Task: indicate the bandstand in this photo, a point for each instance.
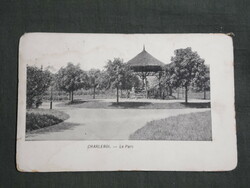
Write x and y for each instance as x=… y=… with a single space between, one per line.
x=144 y=64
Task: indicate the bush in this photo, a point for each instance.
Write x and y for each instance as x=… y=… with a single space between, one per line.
x=36 y=121
x=38 y=81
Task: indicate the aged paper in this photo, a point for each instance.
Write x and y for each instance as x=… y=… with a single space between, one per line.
x=111 y=102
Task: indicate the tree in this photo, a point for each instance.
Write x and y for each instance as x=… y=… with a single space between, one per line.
x=201 y=81
x=103 y=80
x=72 y=78
x=115 y=71
x=129 y=79
x=186 y=65
x=94 y=79
x=168 y=79
x=38 y=81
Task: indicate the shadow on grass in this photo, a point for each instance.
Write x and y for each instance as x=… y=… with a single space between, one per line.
x=76 y=102
x=130 y=104
x=133 y=105
x=197 y=105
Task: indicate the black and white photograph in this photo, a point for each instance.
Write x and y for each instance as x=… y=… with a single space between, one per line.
x=169 y=97
x=117 y=88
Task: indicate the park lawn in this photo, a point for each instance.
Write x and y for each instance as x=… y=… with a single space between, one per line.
x=41 y=118
x=187 y=127
x=133 y=105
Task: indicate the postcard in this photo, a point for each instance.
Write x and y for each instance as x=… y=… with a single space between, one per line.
x=123 y=102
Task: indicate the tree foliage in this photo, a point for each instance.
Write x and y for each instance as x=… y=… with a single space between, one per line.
x=168 y=79
x=129 y=78
x=120 y=76
x=94 y=75
x=38 y=81
x=72 y=78
x=201 y=81
x=103 y=80
x=187 y=67
x=186 y=70
x=95 y=79
x=115 y=70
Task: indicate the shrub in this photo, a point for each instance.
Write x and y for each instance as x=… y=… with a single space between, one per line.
x=38 y=81
x=36 y=121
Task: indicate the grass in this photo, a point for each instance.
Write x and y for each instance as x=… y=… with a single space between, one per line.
x=130 y=105
x=40 y=118
x=134 y=104
x=187 y=127
x=77 y=101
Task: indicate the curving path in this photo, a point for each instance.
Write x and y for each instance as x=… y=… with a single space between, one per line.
x=103 y=124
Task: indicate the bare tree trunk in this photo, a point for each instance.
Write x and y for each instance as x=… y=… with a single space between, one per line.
x=160 y=90
x=178 y=93
x=167 y=92
x=204 y=93
x=146 y=87
x=72 y=96
x=160 y=86
x=170 y=91
x=94 y=94
x=186 y=94
x=117 y=95
x=51 y=98
x=69 y=95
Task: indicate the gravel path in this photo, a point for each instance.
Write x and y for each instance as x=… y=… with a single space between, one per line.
x=103 y=124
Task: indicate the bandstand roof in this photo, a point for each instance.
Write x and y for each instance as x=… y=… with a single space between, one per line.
x=145 y=62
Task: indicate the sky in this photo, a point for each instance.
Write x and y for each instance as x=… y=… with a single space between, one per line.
x=94 y=50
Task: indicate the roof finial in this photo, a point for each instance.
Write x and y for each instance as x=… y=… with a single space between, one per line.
x=143 y=47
